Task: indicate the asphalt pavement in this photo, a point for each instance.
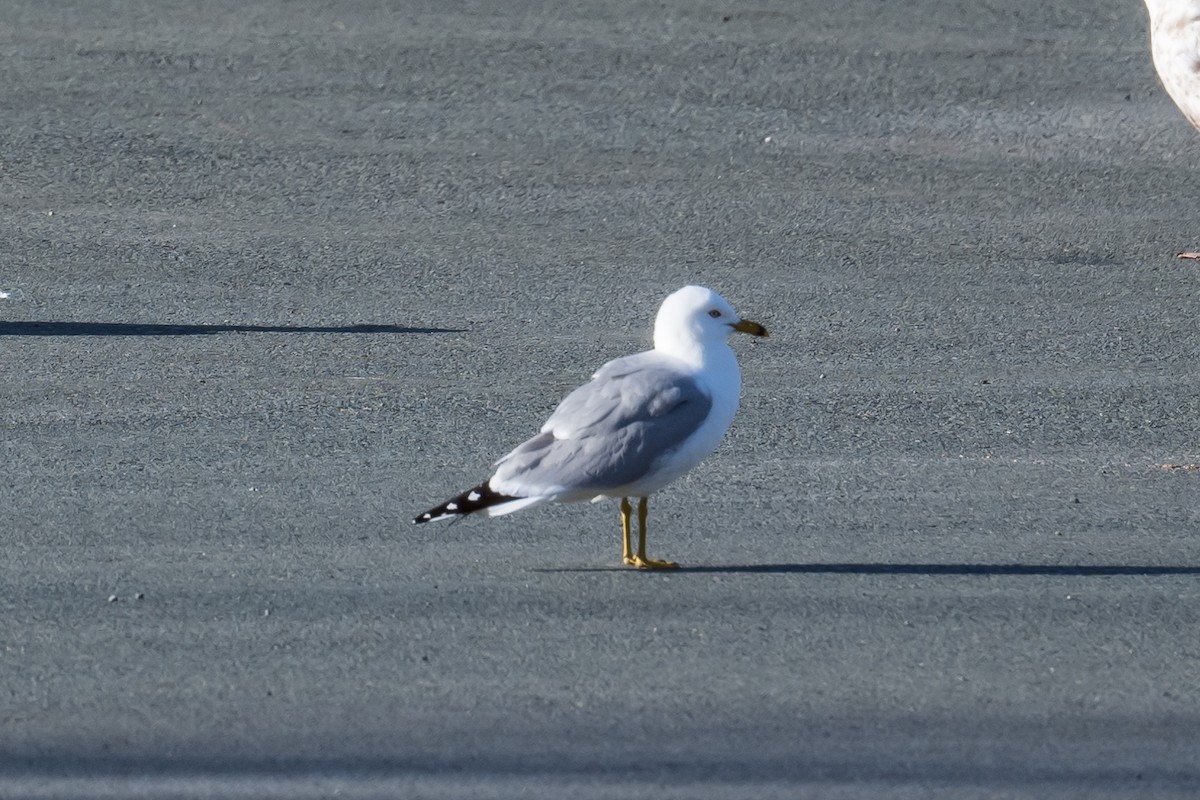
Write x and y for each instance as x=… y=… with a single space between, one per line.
x=280 y=276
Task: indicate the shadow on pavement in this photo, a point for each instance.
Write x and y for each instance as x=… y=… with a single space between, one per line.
x=149 y=329
x=1083 y=570
x=1079 y=570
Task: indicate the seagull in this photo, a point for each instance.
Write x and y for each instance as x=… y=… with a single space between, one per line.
x=1175 y=45
x=641 y=422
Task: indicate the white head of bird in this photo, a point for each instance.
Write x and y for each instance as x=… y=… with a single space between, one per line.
x=694 y=324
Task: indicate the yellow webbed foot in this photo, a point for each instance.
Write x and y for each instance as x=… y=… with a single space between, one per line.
x=649 y=563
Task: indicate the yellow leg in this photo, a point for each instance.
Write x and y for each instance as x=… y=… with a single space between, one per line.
x=626 y=525
x=640 y=560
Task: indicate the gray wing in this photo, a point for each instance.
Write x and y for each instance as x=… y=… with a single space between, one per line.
x=607 y=433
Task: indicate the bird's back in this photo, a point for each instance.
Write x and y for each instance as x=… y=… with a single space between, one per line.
x=608 y=434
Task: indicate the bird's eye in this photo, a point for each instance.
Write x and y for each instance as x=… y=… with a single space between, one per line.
x=714 y=313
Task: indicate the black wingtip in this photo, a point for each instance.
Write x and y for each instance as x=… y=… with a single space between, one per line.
x=470 y=501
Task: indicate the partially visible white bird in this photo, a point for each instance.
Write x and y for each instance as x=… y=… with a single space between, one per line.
x=1175 y=45
x=642 y=421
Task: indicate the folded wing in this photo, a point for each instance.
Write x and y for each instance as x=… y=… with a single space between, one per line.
x=607 y=433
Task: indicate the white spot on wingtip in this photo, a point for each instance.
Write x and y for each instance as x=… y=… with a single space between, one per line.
x=452 y=506
x=473 y=496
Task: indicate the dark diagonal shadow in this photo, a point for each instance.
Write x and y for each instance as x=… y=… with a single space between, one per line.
x=1079 y=570
x=1076 y=570
x=151 y=329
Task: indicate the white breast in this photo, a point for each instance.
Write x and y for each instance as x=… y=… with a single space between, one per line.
x=1175 y=44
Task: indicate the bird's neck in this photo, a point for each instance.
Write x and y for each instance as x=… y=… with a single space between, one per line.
x=698 y=355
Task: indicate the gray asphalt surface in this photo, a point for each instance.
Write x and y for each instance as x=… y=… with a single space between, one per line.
x=287 y=275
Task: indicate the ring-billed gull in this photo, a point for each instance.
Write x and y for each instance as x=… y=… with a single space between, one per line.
x=642 y=421
x=1175 y=45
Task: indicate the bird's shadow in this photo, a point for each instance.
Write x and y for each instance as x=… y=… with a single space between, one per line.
x=64 y=328
x=1072 y=570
